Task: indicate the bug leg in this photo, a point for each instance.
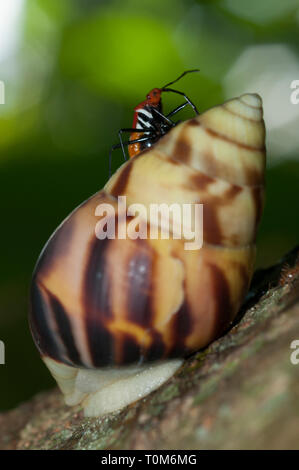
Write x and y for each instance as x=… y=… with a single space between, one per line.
x=114 y=147
x=186 y=98
x=165 y=118
x=176 y=110
x=121 y=145
x=118 y=146
x=121 y=131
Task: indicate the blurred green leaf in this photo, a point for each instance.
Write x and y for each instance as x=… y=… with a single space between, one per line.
x=261 y=11
x=117 y=53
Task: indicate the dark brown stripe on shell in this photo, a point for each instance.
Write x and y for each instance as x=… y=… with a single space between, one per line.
x=140 y=273
x=156 y=350
x=130 y=350
x=96 y=280
x=171 y=160
x=96 y=303
x=182 y=150
x=250 y=105
x=120 y=185
x=64 y=330
x=215 y=167
x=195 y=122
x=211 y=227
x=253 y=177
x=221 y=294
x=200 y=181
x=232 y=192
x=212 y=232
x=43 y=334
x=258 y=197
x=100 y=342
x=181 y=327
x=234 y=113
x=222 y=170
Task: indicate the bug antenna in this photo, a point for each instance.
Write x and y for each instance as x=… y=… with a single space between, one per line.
x=181 y=76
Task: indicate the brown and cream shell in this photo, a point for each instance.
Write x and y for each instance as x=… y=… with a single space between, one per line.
x=116 y=302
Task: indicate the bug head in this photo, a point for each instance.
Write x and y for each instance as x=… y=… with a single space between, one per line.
x=154 y=96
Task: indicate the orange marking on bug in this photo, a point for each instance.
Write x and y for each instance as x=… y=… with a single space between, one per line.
x=152 y=99
x=134 y=149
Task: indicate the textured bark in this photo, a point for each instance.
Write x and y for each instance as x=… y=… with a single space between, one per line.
x=241 y=392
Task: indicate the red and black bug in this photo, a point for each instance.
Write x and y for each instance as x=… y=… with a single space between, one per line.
x=149 y=123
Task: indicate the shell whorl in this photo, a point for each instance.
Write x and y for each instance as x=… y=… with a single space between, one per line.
x=217 y=159
x=111 y=302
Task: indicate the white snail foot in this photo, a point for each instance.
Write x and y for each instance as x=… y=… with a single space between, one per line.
x=106 y=390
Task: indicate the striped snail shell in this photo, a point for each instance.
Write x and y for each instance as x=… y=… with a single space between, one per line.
x=113 y=318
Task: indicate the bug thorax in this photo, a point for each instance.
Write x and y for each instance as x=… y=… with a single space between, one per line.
x=150 y=117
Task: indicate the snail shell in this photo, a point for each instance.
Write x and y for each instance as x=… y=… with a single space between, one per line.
x=127 y=310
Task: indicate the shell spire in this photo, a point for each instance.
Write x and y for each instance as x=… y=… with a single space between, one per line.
x=227 y=141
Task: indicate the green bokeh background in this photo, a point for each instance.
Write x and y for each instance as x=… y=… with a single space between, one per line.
x=78 y=71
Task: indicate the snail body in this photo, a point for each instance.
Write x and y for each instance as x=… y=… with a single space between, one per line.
x=113 y=318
